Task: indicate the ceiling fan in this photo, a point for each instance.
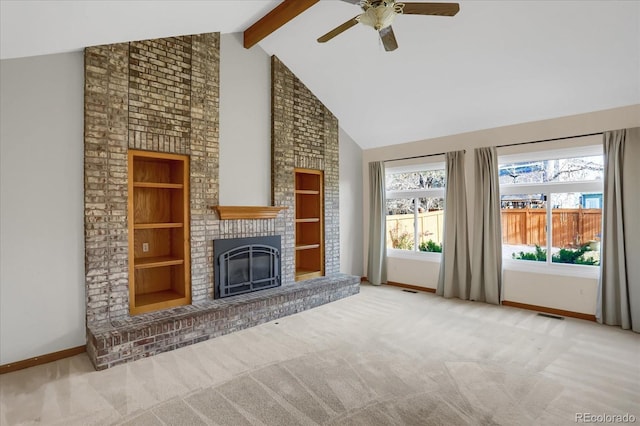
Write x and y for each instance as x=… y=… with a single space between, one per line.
x=379 y=14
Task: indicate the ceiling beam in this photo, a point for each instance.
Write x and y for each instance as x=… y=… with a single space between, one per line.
x=280 y=15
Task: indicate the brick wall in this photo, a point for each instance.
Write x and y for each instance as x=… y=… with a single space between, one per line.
x=160 y=94
x=205 y=132
x=156 y=95
x=105 y=181
x=304 y=134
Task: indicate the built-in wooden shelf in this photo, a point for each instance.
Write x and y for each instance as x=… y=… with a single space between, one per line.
x=248 y=212
x=307 y=246
x=309 y=222
x=159 y=185
x=159 y=250
x=161 y=225
x=154 y=262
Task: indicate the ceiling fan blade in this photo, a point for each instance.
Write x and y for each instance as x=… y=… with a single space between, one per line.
x=388 y=39
x=440 y=9
x=339 y=29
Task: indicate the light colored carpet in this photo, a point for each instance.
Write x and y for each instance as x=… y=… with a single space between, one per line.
x=382 y=357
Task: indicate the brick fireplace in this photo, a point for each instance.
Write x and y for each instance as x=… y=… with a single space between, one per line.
x=163 y=95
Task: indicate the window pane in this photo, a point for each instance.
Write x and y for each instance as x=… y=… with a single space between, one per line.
x=562 y=170
x=400 y=223
x=575 y=169
x=524 y=220
x=577 y=227
x=523 y=172
x=430 y=224
x=415 y=180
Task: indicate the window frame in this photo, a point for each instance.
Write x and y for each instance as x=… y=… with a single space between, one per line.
x=415 y=167
x=546 y=189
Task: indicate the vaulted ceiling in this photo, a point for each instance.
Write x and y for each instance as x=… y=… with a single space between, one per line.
x=495 y=63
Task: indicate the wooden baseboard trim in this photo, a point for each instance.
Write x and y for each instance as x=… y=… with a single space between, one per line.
x=411 y=287
x=42 y=359
x=553 y=311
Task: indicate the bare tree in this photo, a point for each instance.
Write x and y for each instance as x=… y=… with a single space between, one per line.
x=414 y=180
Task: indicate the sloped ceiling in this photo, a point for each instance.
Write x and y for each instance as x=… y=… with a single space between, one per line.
x=496 y=63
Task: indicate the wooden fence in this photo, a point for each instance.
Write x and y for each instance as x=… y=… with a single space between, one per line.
x=571 y=227
x=430 y=225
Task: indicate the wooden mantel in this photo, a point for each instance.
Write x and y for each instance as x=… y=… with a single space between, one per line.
x=248 y=212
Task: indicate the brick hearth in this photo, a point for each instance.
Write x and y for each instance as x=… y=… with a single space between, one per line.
x=149 y=334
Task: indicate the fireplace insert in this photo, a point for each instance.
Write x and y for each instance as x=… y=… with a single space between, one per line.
x=243 y=265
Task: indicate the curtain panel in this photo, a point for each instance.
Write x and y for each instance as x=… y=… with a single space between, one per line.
x=619 y=287
x=454 y=279
x=486 y=267
x=377 y=260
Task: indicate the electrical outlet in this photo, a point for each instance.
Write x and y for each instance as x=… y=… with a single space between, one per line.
x=145 y=247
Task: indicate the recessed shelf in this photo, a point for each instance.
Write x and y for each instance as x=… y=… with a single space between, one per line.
x=161 y=225
x=154 y=262
x=160 y=185
x=158 y=222
x=309 y=241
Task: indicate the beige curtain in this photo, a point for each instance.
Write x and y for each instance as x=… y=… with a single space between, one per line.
x=454 y=279
x=486 y=267
x=377 y=260
x=619 y=287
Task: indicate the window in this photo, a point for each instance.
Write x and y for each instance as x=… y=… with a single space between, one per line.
x=552 y=207
x=415 y=203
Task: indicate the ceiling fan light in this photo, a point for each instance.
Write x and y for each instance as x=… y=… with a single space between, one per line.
x=380 y=16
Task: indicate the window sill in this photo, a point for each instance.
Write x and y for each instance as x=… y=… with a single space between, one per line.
x=581 y=271
x=414 y=255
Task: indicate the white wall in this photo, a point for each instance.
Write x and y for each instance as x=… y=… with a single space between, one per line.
x=350 y=205
x=42 y=296
x=574 y=293
x=569 y=293
x=410 y=270
x=245 y=124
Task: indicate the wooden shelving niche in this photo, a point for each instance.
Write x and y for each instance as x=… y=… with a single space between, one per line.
x=309 y=223
x=159 y=250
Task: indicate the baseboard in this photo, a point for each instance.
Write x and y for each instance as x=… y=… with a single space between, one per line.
x=42 y=359
x=546 y=310
x=411 y=287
